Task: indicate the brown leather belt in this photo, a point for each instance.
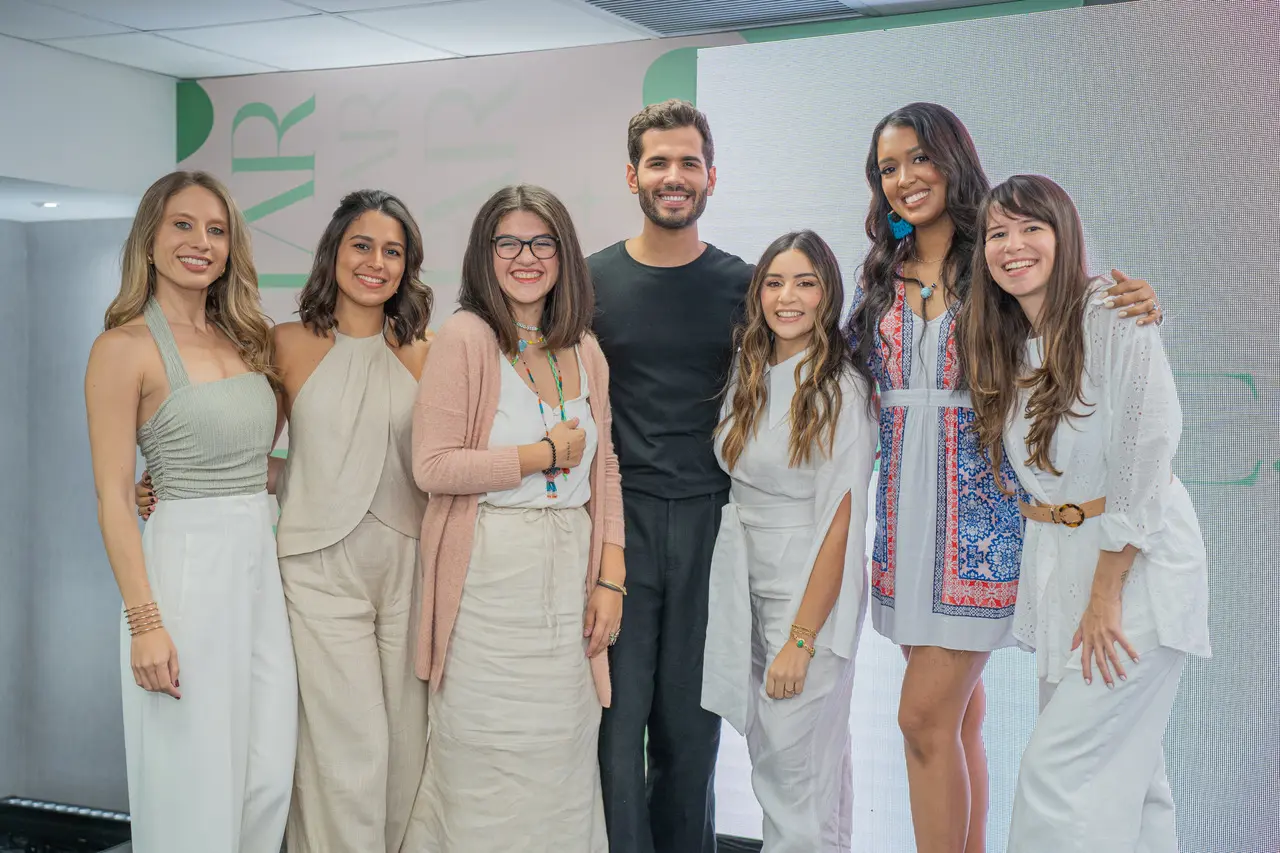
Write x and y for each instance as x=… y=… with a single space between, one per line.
x=1071 y=515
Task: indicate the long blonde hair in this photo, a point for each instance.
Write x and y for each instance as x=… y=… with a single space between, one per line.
x=816 y=405
x=233 y=304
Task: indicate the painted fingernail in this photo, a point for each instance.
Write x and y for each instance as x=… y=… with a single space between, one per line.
x=1124 y=678
x=1123 y=313
x=1110 y=302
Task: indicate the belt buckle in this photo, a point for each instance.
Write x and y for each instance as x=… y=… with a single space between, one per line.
x=1056 y=513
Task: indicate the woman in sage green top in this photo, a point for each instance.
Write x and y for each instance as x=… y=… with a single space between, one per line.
x=349 y=523
x=184 y=371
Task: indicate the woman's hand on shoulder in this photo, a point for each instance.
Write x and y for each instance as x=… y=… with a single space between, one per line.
x=1134 y=297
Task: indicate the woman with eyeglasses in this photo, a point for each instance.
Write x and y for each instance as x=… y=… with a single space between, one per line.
x=521 y=544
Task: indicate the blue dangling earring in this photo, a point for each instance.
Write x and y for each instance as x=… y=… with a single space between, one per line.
x=900 y=226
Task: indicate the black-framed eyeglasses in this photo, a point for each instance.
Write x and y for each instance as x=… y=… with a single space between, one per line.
x=544 y=246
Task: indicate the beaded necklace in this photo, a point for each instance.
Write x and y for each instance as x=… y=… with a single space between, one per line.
x=550 y=473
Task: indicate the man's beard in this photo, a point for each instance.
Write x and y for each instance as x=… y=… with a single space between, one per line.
x=672 y=219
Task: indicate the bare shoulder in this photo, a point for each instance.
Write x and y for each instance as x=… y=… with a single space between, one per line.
x=413 y=354
x=127 y=343
x=291 y=334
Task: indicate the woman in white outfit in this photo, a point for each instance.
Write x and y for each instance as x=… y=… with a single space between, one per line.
x=1114 y=591
x=184 y=371
x=788 y=579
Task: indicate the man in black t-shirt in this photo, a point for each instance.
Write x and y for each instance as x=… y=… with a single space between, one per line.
x=666 y=307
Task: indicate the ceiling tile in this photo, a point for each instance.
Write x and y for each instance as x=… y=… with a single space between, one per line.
x=362 y=5
x=305 y=43
x=903 y=7
x=153 y=53
x=171 y=15
x=24 y=20
x=719 y=15
x=479 y=27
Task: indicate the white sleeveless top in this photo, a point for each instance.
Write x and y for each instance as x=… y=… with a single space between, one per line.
x=519 y=422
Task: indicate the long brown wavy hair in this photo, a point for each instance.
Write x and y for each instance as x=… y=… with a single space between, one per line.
x=996 y=329
x=816 y=405
x=232 y=305
x=408 y=311
x=946 y=141
x=570 y=305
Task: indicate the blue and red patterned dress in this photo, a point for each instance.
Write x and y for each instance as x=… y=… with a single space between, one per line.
x=944 y=567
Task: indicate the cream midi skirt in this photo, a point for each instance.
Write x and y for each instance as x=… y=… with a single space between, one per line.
x=512 y=758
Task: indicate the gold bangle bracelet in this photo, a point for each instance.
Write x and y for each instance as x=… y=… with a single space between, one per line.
x=613 y=586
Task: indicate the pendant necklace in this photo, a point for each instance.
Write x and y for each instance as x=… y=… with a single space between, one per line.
x=926 y=290
x=550 y=473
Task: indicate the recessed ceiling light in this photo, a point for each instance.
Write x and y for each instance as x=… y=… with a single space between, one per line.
x=45 y=203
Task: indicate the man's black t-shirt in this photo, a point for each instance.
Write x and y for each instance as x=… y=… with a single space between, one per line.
x=668 y=335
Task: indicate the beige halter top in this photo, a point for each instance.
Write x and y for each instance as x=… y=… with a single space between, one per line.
x=350 y=449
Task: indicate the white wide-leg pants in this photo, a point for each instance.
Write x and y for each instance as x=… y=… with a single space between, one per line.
x=1093 y=778
x=212 y=772
x=801 y=761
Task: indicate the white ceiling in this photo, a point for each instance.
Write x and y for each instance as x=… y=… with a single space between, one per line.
x=20 y=202
x=220 y=38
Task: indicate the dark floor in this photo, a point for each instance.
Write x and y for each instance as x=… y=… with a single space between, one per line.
x=44 y=828
x=27 y=827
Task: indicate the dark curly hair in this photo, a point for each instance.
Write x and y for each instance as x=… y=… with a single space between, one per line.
x=947 y=143
x=408 y=310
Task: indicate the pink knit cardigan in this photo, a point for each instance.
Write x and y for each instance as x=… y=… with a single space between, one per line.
x=453 y=463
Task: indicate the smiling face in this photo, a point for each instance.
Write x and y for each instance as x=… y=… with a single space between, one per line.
x=790 y=297
x=672 y=178
x=525 y=279
x=915 y=188
x=192 y=241
x=1020 y=252
x=370 y=262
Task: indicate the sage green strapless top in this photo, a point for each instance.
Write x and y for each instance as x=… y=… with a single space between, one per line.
x=210 y=439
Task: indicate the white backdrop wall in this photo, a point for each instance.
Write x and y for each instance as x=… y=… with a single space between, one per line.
x=82 y=122
x=1160 y=118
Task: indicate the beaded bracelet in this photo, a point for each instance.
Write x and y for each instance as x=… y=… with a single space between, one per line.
x=552 y=445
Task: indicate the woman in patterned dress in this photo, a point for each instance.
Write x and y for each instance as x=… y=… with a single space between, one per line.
x=944 y=567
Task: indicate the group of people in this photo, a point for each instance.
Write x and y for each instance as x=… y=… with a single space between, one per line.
x=524 y=567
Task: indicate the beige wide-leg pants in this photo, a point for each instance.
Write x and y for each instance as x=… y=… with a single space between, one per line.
x=210 y=772
x=362 y=722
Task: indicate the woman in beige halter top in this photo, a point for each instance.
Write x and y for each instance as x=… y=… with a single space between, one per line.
x=184 y=371
x=350 y=516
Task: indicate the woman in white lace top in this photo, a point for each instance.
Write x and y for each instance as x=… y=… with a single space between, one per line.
x=1114 y=591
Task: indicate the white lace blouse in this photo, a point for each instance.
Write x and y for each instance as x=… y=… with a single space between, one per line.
x=1124 y=451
